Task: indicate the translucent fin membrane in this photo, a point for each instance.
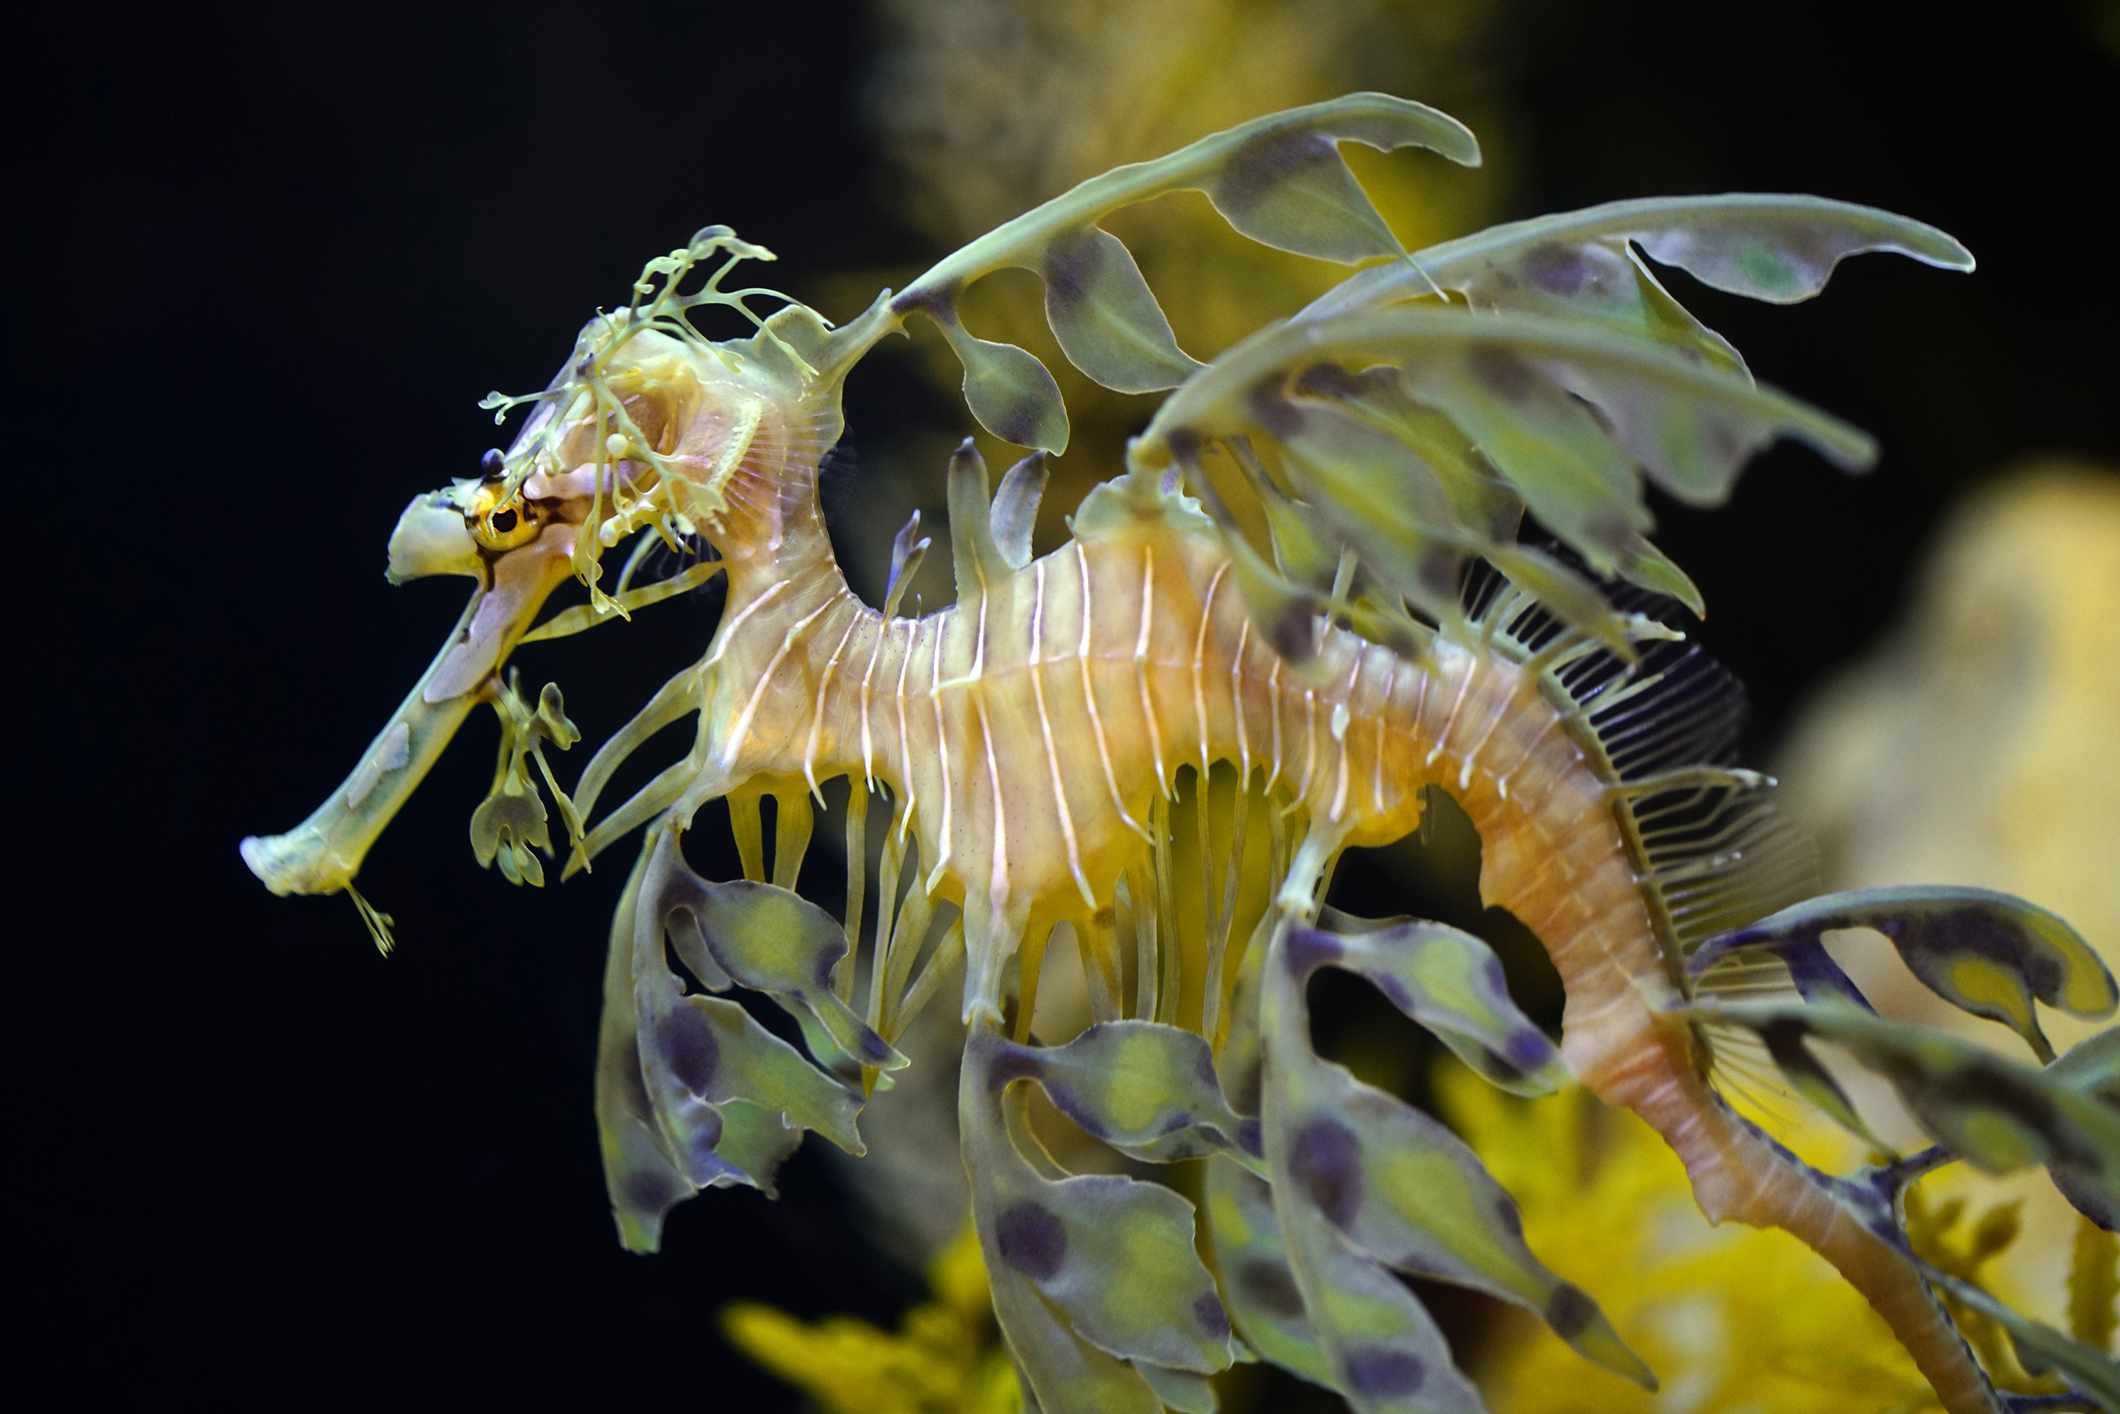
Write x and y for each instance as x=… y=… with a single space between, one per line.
x=1715 y=853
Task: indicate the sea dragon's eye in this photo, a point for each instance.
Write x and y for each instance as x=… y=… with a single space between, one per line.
x=500 y=527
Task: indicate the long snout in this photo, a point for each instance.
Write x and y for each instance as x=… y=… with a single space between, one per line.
x=323 y=853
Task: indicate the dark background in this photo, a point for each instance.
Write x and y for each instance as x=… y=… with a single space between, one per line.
x=272 y=260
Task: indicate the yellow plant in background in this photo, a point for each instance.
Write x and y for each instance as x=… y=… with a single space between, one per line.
x=943 y=1358
x=1730 y=1318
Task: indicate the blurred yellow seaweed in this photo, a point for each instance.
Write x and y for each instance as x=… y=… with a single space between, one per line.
x=944 y=1357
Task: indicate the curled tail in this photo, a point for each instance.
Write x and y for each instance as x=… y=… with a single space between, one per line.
x=1691 y=866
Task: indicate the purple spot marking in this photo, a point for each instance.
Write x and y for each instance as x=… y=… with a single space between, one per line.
x=688 y=1047
x=648 y=1191
x=1326 y=1160
x=1309 y=949
x=1031 y=1240
x=1012 y=1063
x=1556 y=269
x=1570 y=1311
x=1528 y=1050
x=1379 y=1371
x=1204 y=1066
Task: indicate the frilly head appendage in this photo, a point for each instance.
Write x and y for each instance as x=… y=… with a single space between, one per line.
x=656 y=424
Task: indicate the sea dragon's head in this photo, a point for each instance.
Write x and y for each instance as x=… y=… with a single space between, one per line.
x=647 y=426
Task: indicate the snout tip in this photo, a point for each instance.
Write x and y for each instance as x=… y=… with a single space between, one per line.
x=298 y=862
x=430 y=539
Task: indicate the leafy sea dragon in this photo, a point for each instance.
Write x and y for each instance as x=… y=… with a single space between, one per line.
x=1255 y=651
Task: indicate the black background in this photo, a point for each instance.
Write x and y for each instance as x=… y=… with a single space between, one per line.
x=271 y=261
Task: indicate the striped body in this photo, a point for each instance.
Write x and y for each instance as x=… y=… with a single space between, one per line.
x=1024 y=733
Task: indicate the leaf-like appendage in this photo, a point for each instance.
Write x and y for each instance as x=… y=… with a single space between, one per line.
x=2092 y=1066
x=1452 y=984
x=1549 y=447
x=775 y=941
x=1258 y=1288
x=508 y=824
x=1147 y=1090
x=1817 y=977
x=2041 y=1348
x=691 y=1092
x=755 y=1141
x=1385 y=1351
x=1517 y=403
x=1066 y=1373
x=1299 y=550
x=1011 y=393
x=641 y=1178
x=1290 y=599
x=1995 y=1113
x=1278 y=179
x=1257 y=159
x=1782 y=249
x=709 y=1049
x=1291 y=190
x=1779 y=248
x=697 y=1053
x=1181 y=1390
x=1510 y=384
x=1654 y=571
x=1106 y=318
x=1093 y=1276
x=1361 y=1179
x=1123 y=1270
x=1987 y=953
x=1337 y=464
